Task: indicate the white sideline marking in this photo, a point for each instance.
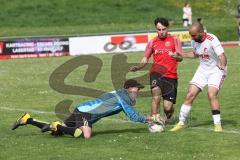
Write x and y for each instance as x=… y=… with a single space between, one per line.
x=111 y=119
x=53 y=113
x=26 y=110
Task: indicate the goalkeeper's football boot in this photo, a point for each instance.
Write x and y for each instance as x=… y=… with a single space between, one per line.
x=21 y=121
x=51 y=127
x=177 y=127
x=218 y=128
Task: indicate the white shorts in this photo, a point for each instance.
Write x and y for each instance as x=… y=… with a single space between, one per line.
x=214 y=78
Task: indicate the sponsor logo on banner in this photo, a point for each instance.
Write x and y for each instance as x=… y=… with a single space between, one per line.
x=125 y=42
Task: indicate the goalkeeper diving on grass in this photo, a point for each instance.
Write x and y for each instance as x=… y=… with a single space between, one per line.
x=86 y=114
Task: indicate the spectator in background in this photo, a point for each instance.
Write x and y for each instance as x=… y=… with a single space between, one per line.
x=239 y=31
x=238 y=20
x=238 y=12
x=187 y=15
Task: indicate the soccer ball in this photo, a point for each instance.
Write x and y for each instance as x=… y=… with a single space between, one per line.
x=155 y=127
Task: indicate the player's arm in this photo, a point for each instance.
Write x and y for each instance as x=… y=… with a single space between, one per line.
x=136 y=117
x=140 y=65
x=223 y=61
x=133 y=115
x=176 y=55
x=220 y=53
x=144 y=61
x=190 y=54
x=178 y=50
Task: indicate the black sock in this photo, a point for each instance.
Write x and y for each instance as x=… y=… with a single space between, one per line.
x=67 y=130
x=215 y=112
x=36 y=123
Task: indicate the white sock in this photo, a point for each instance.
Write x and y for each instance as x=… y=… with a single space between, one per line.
x=184 y=111
x=216 y=119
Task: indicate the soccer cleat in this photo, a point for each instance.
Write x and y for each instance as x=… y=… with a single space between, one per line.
x=218 y=128
x=21 y=121
x=177 y=127
x=51 y=127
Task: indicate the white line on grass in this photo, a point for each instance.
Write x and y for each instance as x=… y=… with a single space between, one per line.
x=109 y=119
x=53 y=113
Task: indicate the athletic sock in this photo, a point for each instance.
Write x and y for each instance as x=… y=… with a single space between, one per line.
x=36 y=123
x=216 y=116
x=75 y=132
x=184 y=111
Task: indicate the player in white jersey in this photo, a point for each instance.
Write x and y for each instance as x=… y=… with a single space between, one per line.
x=211 y=72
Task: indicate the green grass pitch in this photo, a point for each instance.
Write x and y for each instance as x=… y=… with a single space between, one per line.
x=25 y=87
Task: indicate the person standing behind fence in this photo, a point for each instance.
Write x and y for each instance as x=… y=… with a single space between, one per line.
x=187 y=15
x=238 y=31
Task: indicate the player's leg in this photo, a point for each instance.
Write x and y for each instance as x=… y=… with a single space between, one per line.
x=168 y=110
x=87 y=131
x=76 y=124
x=214 y=84
x=76 y=132
x=27 y=119
x=156 y=98
x=213 y=100
x=186 y=106
x=73 y=131
x=198 y=82
x=156 y=92
x=192 y=93
x=169 y=91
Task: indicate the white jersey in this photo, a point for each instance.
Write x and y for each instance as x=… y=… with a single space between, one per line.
x=208 y=51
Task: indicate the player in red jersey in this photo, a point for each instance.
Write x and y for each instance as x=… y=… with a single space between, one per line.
x=166 y=52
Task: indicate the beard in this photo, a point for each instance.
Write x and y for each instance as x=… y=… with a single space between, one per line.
x=162 y=36
x=133 y=97
x=198 y=39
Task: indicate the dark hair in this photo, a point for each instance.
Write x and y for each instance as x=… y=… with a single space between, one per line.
x=161 y=20
x=199 y=20
x=132 y=83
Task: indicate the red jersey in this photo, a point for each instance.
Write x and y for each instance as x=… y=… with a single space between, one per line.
x=162 y=62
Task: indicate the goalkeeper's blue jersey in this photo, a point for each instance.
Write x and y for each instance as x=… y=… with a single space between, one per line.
x=109 y=104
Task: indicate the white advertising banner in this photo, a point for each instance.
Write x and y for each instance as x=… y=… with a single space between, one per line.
x=107 y=44
x=118 y=43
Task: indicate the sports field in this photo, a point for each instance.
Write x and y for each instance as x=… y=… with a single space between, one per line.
x=25 y=87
